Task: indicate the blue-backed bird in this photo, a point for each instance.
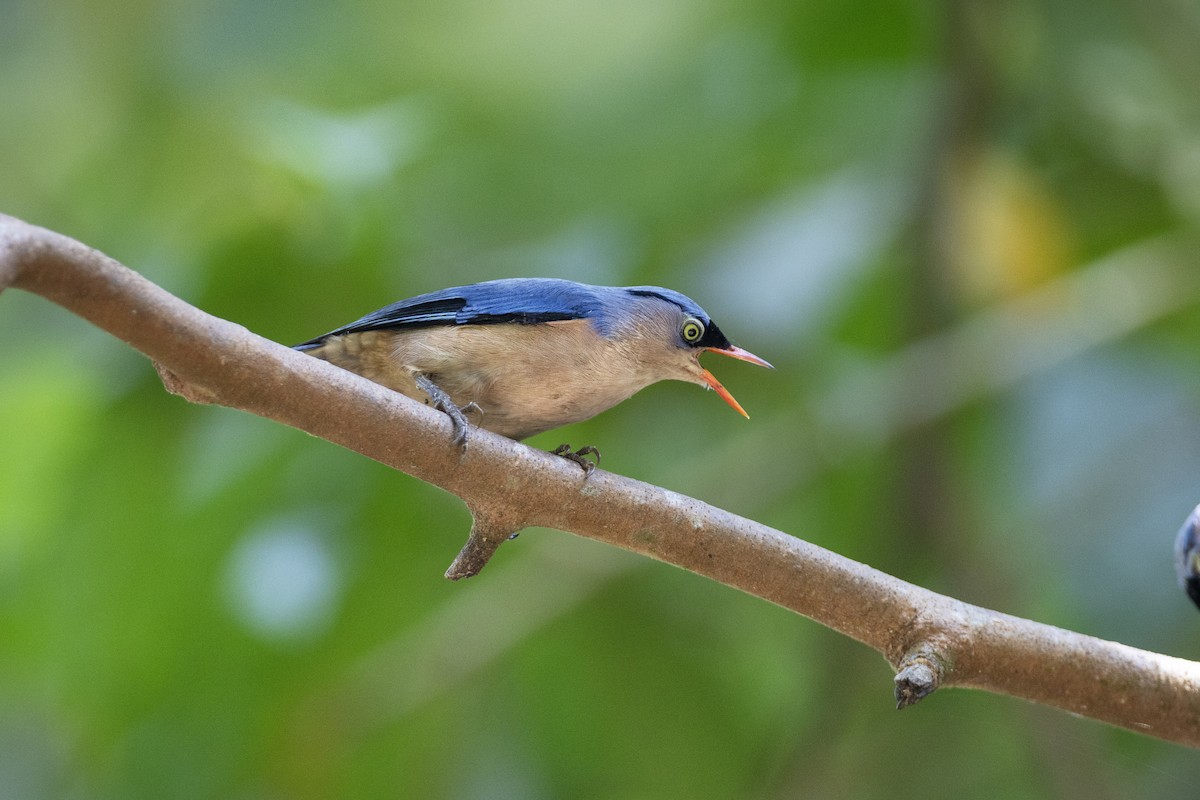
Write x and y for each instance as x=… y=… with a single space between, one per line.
x=530 y=354
x=1187 y=556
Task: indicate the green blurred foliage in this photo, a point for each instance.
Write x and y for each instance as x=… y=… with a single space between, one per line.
x=939 y=221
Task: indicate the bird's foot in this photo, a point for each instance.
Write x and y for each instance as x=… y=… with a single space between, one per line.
x=443 y=403
x=577 y=456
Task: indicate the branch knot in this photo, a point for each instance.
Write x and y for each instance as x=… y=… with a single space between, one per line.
x=919 y=674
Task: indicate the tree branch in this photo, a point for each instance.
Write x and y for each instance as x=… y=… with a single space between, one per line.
x=932 y=640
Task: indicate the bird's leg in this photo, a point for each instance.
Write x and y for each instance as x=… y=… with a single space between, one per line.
x=443 y=403
x=577 y=456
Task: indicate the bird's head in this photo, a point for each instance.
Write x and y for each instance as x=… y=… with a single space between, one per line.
x=679 y=330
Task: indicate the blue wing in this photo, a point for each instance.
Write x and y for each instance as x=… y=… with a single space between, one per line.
x=525 y=301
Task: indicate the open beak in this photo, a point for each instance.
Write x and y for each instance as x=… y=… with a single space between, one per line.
x=715 y=385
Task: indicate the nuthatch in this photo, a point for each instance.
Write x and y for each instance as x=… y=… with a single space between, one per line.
x=530 y=354
x=1187 y=556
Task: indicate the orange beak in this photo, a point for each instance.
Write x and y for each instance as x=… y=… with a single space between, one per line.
x=715 y=385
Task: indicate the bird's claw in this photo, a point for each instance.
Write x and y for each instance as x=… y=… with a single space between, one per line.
x=459 y=419
x=443 y=403
x=577 y=456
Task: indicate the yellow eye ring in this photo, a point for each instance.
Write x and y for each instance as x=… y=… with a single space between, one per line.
x=692 y=330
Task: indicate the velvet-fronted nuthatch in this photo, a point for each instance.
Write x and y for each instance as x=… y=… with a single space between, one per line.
x=1187 y=556
x=530 y=354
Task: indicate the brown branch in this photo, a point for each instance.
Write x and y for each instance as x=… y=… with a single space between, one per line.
x=931 y=639
x=487 y=534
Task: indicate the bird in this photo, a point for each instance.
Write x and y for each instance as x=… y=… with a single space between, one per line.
x=1187 y=556
x=528 y=355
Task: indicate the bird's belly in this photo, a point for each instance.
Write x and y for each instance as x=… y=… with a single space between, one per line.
x=524 y=402
x=525 y=379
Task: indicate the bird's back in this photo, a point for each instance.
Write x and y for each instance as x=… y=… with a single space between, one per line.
x=510 y=300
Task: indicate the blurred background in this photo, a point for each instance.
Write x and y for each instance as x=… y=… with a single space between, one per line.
x=964 y=233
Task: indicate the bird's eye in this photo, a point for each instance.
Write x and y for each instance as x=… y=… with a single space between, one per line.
x=691 y=330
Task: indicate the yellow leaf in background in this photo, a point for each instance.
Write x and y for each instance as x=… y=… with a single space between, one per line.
x=1006 y=232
